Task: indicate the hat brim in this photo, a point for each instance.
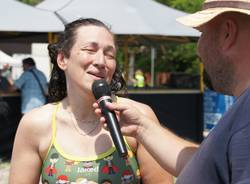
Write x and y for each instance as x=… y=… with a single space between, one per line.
x=201 y=17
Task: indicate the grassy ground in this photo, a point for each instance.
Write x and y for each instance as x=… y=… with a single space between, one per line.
x=4 y=172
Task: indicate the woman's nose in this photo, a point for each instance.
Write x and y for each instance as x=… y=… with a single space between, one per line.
x=100 y=59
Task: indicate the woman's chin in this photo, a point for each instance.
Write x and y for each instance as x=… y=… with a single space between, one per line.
x=97 y=77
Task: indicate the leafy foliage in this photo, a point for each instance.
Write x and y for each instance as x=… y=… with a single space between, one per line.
x=189 y=6
x=179 y=57
x=31 y=2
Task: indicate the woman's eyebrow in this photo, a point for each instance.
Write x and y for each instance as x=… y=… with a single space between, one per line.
x=110 y=48
x=93 y=44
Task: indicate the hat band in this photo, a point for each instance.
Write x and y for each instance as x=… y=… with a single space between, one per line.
x=227 y=4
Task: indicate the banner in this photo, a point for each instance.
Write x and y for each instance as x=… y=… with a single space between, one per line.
x=215 y=105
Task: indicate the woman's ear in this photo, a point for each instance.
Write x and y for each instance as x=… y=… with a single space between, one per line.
x=62 y=61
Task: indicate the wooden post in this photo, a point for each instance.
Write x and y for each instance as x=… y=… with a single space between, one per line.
x=202 y=87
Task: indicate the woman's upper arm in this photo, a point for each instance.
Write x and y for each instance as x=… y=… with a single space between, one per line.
x=151 y=171
x=26 y=161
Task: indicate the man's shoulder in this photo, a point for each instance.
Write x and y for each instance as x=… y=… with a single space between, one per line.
x=39 y=72
x=243 y=102
x=24 y=77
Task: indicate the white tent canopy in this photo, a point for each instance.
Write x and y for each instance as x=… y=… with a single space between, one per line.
x=126 y=17
x=6 y=59
x=162 y=18
x=17 y=16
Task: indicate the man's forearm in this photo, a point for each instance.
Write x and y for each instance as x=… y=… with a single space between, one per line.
x=12 y=87
x=170 y=151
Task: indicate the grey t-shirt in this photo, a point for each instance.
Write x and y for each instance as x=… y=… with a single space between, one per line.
x=224 y=156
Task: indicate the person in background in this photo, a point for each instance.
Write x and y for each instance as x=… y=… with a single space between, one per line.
x=33 y=86
x=139 y=79
x=5 y=72
x=223 y=157
x=63 y=141
x=5 y=109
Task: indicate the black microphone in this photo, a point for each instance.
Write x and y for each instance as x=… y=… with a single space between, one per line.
x=102 y=93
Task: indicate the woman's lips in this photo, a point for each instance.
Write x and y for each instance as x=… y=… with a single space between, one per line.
x=97 y=75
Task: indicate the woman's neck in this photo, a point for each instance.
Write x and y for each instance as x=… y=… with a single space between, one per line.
x=81 y=107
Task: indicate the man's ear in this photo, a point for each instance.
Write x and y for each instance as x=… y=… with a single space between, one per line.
x=229 y=33
x=62 y=61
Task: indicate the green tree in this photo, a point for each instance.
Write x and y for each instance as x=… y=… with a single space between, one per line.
x=31 y=2
x=189 y=6
x=179 y=57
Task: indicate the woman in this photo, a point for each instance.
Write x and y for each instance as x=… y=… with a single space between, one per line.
x=64 y=141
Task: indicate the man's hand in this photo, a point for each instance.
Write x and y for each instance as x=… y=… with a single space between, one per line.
x=130 y=118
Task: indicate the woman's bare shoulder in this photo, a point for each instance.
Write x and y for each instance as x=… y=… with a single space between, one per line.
x=38 y=120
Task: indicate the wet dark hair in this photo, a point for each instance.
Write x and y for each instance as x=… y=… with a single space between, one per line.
x=29 y=61
x=57 y=84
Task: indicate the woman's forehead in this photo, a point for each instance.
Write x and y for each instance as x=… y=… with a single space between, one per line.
x=100 y=36
x=91 y=32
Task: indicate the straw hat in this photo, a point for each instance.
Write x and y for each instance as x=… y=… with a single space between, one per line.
x=213 y=8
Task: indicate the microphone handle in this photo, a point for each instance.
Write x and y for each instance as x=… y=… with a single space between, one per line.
x=114 y=129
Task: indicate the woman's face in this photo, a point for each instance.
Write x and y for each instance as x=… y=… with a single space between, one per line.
x=92 y=57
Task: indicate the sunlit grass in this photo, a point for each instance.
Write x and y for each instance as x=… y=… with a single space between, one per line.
x=4 y=164
x=4 y=171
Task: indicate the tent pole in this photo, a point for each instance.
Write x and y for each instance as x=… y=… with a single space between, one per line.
x=50 y=37
x=50 y=40
x=126 y=66
x=202 y=87
x=153 y=54
x=131 y=66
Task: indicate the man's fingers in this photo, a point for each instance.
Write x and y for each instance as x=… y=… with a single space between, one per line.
x=98 y=112
x=95 y=105
x=102 y=120
x=104 y=123
x=116 y=107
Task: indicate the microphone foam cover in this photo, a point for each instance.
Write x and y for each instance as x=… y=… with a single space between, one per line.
x=101 y=88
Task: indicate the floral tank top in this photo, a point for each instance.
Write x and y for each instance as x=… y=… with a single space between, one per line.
x=61 y=168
